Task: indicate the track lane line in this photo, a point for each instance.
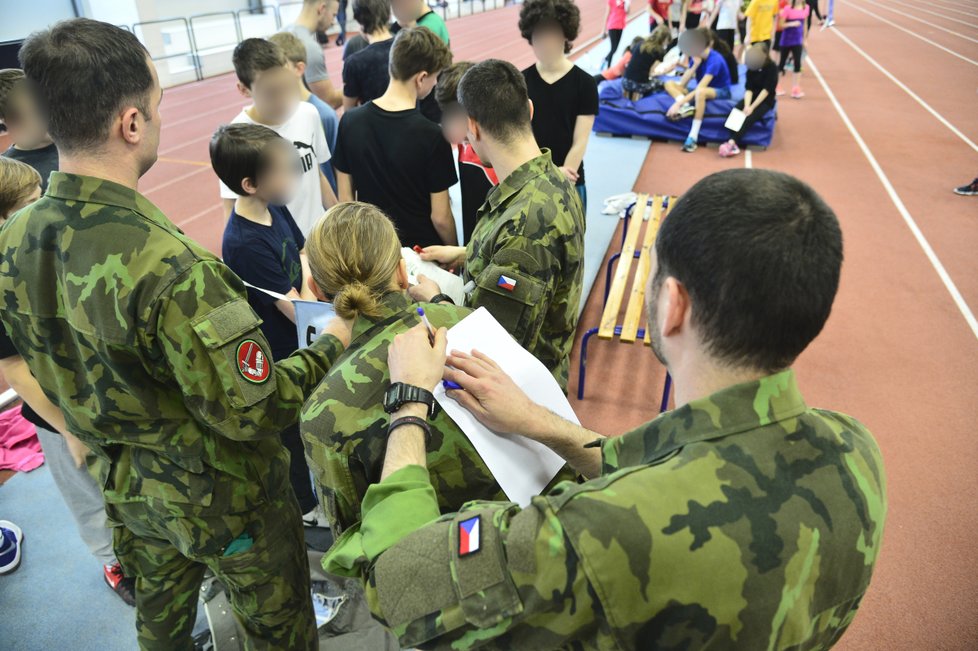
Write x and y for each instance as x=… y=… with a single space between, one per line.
x=908 y=219
x=905 y=89
x=912 y=33
x=934 y=13
x=920 y=20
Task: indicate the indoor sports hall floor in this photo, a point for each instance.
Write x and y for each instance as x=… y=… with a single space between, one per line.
x=888 y=127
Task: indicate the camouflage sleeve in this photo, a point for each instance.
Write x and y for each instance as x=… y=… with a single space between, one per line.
x=517 y=285
x=489 y=572
x=209 y=338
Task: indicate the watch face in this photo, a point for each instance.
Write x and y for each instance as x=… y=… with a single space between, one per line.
x=391 y=398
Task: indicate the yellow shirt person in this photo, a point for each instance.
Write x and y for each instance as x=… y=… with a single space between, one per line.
x=761 y=14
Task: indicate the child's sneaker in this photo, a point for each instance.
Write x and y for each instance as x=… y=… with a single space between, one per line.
x=778 y=92
x=11 y=540
x=729 y=149
x=122 y=585
x=797 y=92
x=689 y=146
x=687 y=110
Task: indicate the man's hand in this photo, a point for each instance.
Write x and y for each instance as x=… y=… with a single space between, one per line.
x=492 y=396
x=570 y=173
x=76 y=448
x=425 y=290
x=413 y=359
x=448 y=257
x=340 y=328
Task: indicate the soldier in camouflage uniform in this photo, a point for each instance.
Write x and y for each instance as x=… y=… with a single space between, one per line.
x=526 y=256
x=147 y=343
x=355 y=250
x=742 y=519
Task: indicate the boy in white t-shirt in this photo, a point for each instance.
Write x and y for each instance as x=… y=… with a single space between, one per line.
x=265 y=76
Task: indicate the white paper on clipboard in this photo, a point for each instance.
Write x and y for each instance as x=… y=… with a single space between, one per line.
x=735 y=120
x=521 y=466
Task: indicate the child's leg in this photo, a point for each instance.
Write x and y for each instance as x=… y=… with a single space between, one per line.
x=674 y=89
x=702 y=95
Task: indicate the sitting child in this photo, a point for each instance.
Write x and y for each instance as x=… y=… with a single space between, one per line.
x=638 y=81
x=762 y=79
x=355 y=261
x=617 y=69
x=264 y=247
x=712 y=81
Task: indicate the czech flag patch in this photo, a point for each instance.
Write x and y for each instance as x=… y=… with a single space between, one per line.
x=468 y=536
x=507 y=283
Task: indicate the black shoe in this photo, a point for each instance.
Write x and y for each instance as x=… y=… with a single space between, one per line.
x=122 y=585
x=969 y=190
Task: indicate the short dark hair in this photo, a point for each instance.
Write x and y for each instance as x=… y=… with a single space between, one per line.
x=83 y=72
x=240 y=151
x=418 y=49
x=254 y=55
x=760 y=254
x=446 y=92
x=371 y=14
x=493 y=93
x=563 y=13
x=10 y=79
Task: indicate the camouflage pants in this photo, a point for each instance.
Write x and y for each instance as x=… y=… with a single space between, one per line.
x=268 y=583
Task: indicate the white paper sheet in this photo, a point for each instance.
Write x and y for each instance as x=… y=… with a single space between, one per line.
x=310 y=319
x=735 y=120
x=521 y=466
x=448 y=282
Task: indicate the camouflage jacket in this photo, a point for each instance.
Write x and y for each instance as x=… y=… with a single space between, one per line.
x=147 y=343
x=743 y=520
x=526 y=257
x=344 y=425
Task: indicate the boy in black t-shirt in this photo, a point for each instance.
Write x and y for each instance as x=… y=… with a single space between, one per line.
x=565 y=98
x=263 y=246
x=390 y=155
x=22 y=120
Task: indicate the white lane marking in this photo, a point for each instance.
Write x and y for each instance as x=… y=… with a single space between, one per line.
x=914 y=34
x=908 y=219
x=903 y=87
x=920 y=20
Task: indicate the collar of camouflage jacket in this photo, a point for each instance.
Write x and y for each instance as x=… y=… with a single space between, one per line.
x=522 y=175
x=392 y=304
x=737 y=409
x=89 y=189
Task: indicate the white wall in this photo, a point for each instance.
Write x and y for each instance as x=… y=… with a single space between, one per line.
x=16 y=22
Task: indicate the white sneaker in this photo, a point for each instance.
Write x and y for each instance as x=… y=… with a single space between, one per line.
x=315 y=518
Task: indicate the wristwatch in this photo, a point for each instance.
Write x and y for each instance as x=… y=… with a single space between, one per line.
x=398 y=394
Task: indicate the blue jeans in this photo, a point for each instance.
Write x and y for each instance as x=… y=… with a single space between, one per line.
x=582 y=193
x=723 y=93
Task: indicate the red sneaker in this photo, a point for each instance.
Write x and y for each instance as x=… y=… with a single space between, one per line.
x=122 y=585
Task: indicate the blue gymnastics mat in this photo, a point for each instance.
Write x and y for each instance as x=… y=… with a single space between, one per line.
x=647 y=117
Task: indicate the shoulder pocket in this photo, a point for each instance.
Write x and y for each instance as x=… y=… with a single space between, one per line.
x=239 y=353
x=514 y=299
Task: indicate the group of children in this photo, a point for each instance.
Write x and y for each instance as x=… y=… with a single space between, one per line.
x=710 y=55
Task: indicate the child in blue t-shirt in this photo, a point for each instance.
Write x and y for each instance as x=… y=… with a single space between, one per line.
x=713 y=80
x=264 y=247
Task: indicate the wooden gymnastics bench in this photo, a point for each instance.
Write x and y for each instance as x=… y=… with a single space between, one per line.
x=634 y=263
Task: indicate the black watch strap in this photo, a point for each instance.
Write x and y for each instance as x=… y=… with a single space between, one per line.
x=442 y=298
x=399 y=394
